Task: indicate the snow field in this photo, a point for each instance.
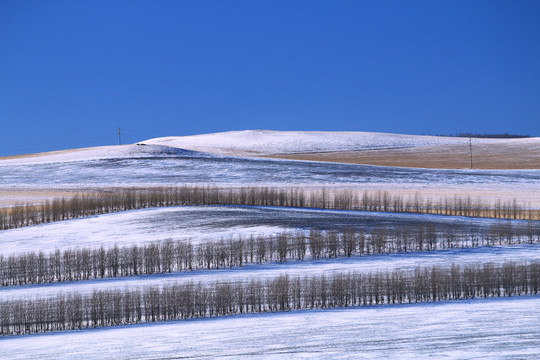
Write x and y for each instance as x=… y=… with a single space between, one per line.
x=506 y=328
x=182 y=169
x=493 y=328
x=130 y=166
x=98 y=153
x=266 y=142
x=200 y=224
x=358 y=264
x=208 y=223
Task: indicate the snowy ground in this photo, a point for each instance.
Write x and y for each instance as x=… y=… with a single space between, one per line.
x=204 y=223
x=165 y=165
x=113 y=168
x=266 y=142
x=99 y=152
x=209 y=223
x=493 y=328
x=363 y=264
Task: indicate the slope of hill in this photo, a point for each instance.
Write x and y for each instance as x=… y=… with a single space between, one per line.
x=334 y=146
x=493 y=328
x=269 y=142
x=496 y=154
x=367 y=148
x=453 y=329
x=179 y=161
x=98 y=153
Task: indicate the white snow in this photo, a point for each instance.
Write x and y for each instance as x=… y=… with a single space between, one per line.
x=493 y=328
x=265 y=142
x=504 y=328
x=204 y=223
x=126 y=228
x=96 y=153
x=158 y=169
x=258 y=142
x=363 y=264
x=200 y=224
x=166 y=162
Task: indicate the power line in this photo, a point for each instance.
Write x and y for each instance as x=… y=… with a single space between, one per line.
x=470 y=149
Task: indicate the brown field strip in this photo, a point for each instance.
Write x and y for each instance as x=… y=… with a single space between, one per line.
x=516 y=155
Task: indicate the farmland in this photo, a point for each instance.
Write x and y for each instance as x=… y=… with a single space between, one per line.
x=307 y=221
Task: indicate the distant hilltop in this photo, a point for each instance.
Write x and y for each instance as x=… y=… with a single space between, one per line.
x=270 y=142
x=489 y=136
x=370 y=148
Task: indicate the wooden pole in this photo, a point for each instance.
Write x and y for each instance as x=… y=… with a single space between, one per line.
x=470 y=150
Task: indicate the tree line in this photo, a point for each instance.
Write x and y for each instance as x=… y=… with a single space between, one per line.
x=173 y=256
x=283 y=293
x=490 y=136
x=103 y=202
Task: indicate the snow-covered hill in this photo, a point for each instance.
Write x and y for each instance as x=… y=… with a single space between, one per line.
x=452 y=329
x=265 y=142
x=174 y=161
x=259 y=142
x=99 y=153
x=492 y=328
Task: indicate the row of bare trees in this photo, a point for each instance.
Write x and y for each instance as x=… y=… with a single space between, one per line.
x=126 y=199
x=283 y=293
x=172 y=256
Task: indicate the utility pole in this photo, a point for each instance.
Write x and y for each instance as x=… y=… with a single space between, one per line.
x=470 y=149
x=120 y=142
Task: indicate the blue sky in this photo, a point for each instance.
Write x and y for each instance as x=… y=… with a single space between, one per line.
x=71 y=72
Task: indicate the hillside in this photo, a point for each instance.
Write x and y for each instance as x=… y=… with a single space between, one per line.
x=269 y=142
x=382 y=149
x=200 y=159
x=367 y=148
x=119 y=245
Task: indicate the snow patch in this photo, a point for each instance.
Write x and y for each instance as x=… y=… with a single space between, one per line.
x=101 y=152
x=266 y=142
x=493 y=328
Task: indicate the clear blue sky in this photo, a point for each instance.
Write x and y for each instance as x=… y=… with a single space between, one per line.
x=71 y=72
